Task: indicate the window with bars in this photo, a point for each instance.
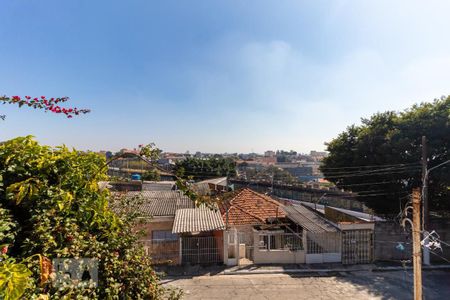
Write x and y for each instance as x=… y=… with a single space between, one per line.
x=280 y=241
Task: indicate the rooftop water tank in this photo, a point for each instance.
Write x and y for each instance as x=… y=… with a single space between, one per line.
x=135 y=177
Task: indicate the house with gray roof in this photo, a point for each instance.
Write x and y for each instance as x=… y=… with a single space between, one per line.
x=175 y=231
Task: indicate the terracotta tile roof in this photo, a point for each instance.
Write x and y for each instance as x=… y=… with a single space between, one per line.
x=251 y=208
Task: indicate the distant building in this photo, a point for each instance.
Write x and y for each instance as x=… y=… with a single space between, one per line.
x=301 y=171
x=318 y=155
x=267 y=161
x=269 y=153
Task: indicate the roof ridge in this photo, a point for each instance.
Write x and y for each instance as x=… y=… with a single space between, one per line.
x=265 y=197
x=237 y=195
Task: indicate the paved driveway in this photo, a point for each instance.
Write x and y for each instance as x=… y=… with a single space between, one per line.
x=353 y=286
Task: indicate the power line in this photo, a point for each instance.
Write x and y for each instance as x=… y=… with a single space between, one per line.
x=374 y=174
x=372 y=166
x=380 y=194
x=439 y=256
x=368 y=183
x=371 y=171
x=442 y=242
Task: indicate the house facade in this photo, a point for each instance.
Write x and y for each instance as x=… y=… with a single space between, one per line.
x=257 y=231
x=249 y=228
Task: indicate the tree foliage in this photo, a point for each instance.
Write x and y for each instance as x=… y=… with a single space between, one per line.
x=151 y=175
x=53 y=208
x=273 y=174
x=380 y=159
x=205 y=168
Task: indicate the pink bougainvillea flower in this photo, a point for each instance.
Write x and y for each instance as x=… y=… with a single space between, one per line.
x=47 y=104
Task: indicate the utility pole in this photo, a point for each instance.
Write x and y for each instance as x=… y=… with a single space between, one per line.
x=425 y=209
x=417 y=256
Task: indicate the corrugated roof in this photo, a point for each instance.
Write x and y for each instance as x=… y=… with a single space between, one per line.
x=158 y=185
x=161 y=203
x=216 y=181
x=308 y=219
x=197 y=220
x=205 y=187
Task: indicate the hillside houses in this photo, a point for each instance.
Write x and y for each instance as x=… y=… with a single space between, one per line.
x=247 y=227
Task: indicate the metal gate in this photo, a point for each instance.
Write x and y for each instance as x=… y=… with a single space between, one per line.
x=357 y=246
x=246 y=247
x=202 y=250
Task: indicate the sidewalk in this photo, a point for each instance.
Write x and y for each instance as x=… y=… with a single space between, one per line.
x=316 y=269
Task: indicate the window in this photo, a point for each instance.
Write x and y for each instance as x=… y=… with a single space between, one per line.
x=280 y=241
x=164 y=235
x=263 y=242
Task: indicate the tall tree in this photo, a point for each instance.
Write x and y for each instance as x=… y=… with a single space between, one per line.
x=380 y=159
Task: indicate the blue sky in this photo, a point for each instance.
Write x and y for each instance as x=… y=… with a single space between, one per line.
x=218 y=76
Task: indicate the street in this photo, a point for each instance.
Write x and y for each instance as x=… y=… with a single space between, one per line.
x=349 y=285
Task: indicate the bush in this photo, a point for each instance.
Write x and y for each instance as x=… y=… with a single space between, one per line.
x=51 y=207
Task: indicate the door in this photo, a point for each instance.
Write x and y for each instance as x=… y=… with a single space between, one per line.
x=357 y=246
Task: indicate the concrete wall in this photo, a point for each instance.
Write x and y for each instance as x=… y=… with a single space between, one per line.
x=156 y=223
x=389 y=233
x=278 y=257
x=442 y=227
x=323 y=258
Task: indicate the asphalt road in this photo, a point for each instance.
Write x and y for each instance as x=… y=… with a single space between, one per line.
x=350 y=285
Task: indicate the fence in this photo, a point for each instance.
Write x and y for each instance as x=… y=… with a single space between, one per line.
x=162 y=251
x=323 y=247
x=324 y=242
x=202 y=250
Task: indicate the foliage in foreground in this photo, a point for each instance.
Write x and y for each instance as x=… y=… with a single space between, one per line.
x=392 y=141
x=51 y=207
